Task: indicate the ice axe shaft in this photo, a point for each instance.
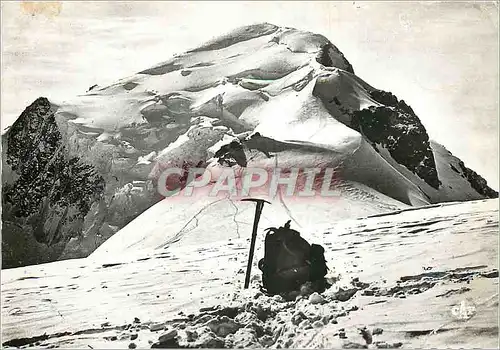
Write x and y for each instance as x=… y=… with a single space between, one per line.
x=258 y=211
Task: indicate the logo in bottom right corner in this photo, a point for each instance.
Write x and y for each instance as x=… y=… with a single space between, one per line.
x=464 y=311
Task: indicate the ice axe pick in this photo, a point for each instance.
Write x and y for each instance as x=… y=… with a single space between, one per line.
x=258 y=211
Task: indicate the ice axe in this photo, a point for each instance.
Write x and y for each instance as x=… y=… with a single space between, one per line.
x=258 y=211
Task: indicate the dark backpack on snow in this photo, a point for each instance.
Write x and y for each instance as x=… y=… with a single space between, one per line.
x=290 y=261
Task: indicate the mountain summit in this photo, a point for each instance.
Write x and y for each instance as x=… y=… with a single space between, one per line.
x=77 y=173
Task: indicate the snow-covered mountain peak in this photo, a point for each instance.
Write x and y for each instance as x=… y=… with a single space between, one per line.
x=77 y=172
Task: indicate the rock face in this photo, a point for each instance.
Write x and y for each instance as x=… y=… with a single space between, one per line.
x=46 y=192
x=327 y=55
x=52 y=195
x=48 y=183
x=76 y=173
x=396 y=127
x=477 y=182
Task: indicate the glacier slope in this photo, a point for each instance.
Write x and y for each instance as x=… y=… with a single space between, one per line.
x=408 y=270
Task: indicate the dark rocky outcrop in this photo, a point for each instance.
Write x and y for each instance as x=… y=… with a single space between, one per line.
x=48 y=179
x=397 y=128
x=20 y=248
x=324 y=57
x=64 y=193
x=231 y=154
x=45 y=190
x=477 y=182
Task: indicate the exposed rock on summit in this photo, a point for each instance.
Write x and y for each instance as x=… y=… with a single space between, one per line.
x=397 y=128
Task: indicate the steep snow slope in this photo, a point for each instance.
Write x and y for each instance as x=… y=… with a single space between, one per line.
x=406 y=273
x=204 y=219
x=78 y=171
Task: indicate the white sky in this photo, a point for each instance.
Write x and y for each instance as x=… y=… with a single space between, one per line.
x=441 y=58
